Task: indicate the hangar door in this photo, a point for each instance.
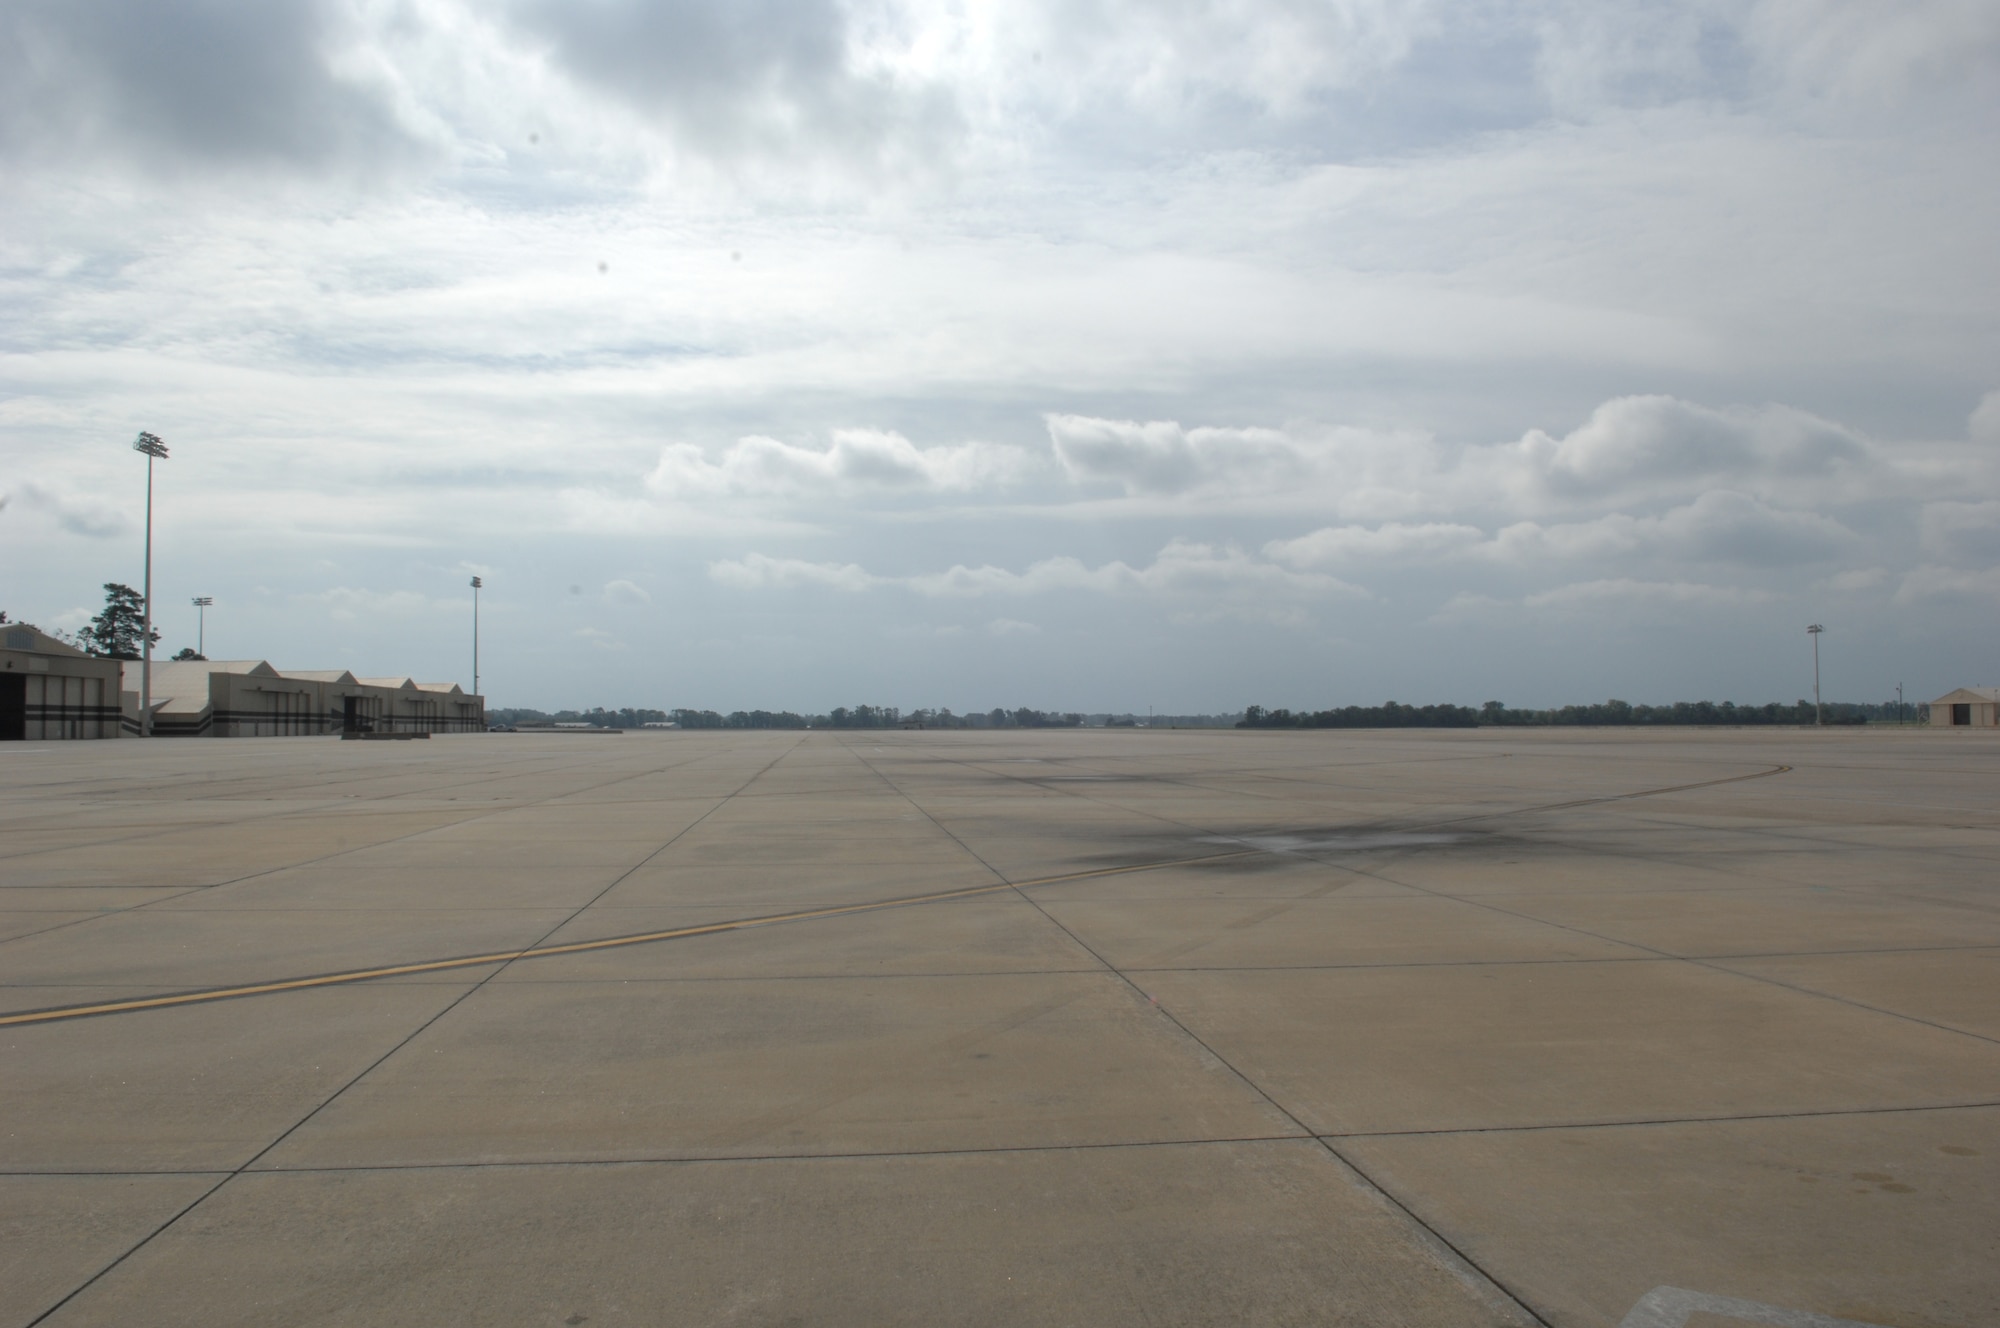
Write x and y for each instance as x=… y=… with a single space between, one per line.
x=13 y=707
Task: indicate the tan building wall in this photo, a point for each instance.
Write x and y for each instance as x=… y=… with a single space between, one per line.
x=265 y=706
x=49 y=690
x=1968 y=707
x=410 y=706
x=251 y=699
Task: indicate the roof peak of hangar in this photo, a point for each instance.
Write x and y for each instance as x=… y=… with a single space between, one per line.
x=256 y=668
x=28 y=637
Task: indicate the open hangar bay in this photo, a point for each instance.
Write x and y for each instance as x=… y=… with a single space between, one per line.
x=1445 y=1028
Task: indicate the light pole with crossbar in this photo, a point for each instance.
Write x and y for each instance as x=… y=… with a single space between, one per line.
x=201 y=603
x=476 y=584
x=1819 y=711
x=155 y=450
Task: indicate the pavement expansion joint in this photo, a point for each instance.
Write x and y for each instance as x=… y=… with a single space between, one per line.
x=345 y=977
x=724 y=1158
x=1648 y=1122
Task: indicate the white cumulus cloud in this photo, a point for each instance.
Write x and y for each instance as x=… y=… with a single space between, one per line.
x=1612 y=592
x=1933 y=582
x=1858 y=579
x=855 y=461
x=350 y=604
x=1160 y=457
x=1646 y=445
x=1962 y=532
x=1391 y=542
x=1182 y=569
x=1720 y=526
x=758 y=571
x=1984 y=426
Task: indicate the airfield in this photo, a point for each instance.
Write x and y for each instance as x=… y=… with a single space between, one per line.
x=1104 y=1027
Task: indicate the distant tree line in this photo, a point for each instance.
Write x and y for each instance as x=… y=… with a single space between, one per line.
x=844 y=717
x=1612 y=713
x=860 y=717
x=1024 y=718
x=627 y=718
x=1616 y=713
x=1388 y=715
x=740 y=719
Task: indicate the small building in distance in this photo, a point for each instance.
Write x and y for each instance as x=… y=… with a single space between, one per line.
x=52 y=690
x=1968 y=707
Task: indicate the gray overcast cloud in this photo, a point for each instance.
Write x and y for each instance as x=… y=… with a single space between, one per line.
x=1093 y=355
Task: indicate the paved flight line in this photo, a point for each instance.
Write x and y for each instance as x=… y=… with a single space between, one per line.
x=573 y=947
x=206 y=995
x=1614 y=797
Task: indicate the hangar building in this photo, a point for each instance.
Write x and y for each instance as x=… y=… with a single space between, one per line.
x=1968 y=707
x=248 y=698
x=52 y=690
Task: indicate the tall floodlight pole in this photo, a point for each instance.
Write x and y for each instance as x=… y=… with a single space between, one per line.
x=476 y=584
x=201 y=603
x=154 y=450
x=1899 y=703
x=1819 y=711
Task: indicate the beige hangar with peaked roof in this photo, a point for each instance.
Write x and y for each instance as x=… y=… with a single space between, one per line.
x=249 y=698
x=1968 y=707
x=52 y=690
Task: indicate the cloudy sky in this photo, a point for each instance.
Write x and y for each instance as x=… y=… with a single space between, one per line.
x=1082 y=355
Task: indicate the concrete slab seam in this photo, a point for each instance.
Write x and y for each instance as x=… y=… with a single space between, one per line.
x=328 y=857
x=539 y=951
x=370 y=1068
x=1448 y=1254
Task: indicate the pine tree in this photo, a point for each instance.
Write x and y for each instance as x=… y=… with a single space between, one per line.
x=115 y=633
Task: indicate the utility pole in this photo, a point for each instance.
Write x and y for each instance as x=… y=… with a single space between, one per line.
x=476 y=584
x=154 y=449
x=201 y=603
x=1899 y=703
x=1819 y=711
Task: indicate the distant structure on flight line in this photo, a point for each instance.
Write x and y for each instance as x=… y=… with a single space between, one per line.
x=52 y=690
x=1968 y=707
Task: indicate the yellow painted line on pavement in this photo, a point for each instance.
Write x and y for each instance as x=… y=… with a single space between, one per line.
x=572 y=947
